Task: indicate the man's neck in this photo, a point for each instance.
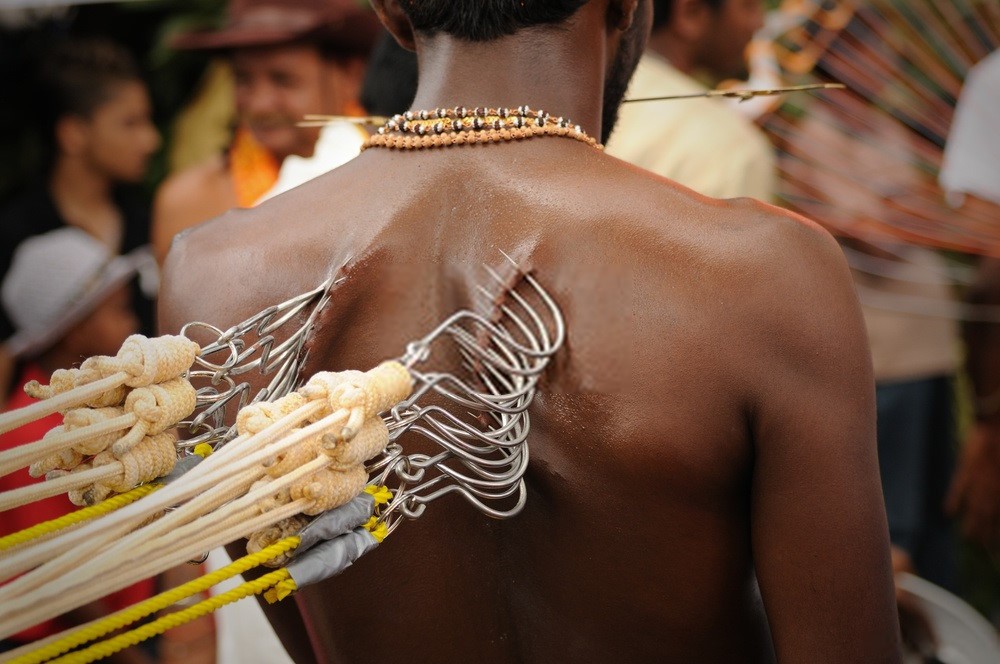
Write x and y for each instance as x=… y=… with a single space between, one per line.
x=75 y=185
x=540 y=68
x=84 y=198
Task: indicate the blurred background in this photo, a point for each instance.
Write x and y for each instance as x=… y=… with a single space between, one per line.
x=144 y=27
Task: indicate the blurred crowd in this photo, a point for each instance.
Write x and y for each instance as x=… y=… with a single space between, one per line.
x=86 y=222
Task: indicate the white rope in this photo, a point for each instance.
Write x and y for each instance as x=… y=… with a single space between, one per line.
x=29 y=494
x=55 y=600
x=75 y=397
x=137 y=512
x=24 y=455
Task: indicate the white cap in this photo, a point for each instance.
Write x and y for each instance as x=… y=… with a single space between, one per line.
x=963 y=635
x=56 y=280
x=971 y=162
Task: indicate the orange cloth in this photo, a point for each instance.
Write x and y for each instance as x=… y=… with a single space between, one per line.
x=254 y=169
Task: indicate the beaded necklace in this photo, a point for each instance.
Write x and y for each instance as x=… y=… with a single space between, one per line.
x=445 y=127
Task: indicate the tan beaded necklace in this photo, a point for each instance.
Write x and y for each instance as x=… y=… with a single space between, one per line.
x=444 y=127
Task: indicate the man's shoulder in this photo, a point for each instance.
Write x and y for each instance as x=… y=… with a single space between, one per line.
x=278 y=222
x=196 y=250
x=221 y=271
x=741 y=244
x=665 y=202
x=669 y=222
x=775 y=244
x=786 y=272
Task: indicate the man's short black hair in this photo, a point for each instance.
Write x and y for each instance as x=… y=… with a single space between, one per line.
x=75 y=77
x=79 y=75
x=483 y=20
x=391 y=78
x=662 y=10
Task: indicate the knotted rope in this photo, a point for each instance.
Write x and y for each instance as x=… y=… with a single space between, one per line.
x=159 y=398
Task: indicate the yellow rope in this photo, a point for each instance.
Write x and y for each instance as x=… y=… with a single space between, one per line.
x=378 y=529
x=281 y=590
x=147 y=607
x=160 y=625
x=73 y=518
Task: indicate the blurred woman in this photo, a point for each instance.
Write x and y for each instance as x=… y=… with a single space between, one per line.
x=98 y=120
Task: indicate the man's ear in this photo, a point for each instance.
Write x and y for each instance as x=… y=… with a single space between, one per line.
x=71 y=134
x=396 y=22
x=621 y=13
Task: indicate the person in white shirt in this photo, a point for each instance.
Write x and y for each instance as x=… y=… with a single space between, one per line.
x=969 y=175
x=703 y=144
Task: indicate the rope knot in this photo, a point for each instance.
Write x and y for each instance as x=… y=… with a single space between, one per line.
x=328 y=488
x=291 y=459
x=323 y=385
x=79 y=418
x=64 y=380
x=154 y=457
x=362 y=394
x=256 y=417
x=271 y=501
x=66 y=459
x=262 y=539
x=370 y=440
x=157 y=408
x=148 y=361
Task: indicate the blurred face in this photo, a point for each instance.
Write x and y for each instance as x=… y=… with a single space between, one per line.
x=119 y=137
x=104 y=331
x=277 y=86
x=730 y=30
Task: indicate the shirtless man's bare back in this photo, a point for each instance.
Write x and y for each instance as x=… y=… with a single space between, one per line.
x=710 y=418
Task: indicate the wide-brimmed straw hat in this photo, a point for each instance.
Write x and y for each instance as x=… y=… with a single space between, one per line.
x=55 y=281
x=347 y=25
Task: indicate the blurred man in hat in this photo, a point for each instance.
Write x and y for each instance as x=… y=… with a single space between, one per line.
x=289 y=58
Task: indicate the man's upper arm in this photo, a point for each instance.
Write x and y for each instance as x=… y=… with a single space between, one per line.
x=171 y=312
x=819 y=535
x=189 y=291
x=172 y=212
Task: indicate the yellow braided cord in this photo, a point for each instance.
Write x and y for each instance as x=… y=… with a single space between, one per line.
x=73 y=518
x=381 y=494
x=203 y=450
x=281 y=590
x=147 y=607
x=160 y=625
x=378 y=529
